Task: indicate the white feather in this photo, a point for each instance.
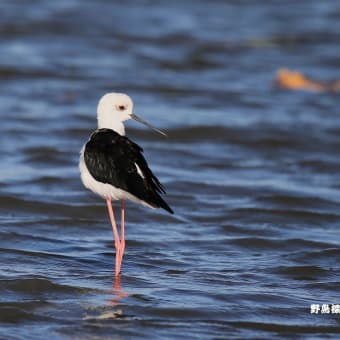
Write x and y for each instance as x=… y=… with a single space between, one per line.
x=139 y=171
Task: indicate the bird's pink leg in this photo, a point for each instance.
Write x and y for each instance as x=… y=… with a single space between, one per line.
x=115 y=233
x=122 y=239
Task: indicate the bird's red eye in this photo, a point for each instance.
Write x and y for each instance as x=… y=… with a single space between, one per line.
x=120 y=107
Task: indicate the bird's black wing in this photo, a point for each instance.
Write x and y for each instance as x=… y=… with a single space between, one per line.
x=116 y=160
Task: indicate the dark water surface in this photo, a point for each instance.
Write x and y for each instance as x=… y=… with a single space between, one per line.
x=252 y=172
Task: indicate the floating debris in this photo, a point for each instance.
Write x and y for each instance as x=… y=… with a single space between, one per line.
x=294 y=80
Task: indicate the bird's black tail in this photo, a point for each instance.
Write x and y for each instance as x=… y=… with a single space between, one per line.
x=166 y=207
x=157 y=201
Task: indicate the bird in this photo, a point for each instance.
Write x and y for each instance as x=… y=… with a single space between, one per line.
x=113 y=167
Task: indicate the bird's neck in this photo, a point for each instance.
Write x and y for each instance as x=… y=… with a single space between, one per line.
x=113 y=125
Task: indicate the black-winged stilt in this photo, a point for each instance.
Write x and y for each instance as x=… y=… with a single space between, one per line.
x=113 y=166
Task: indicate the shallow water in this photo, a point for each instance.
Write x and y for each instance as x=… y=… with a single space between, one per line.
x=251 y=171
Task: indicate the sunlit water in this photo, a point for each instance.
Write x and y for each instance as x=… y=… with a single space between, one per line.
x=251 y=171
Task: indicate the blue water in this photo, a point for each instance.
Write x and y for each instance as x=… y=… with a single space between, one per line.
x=251 y=170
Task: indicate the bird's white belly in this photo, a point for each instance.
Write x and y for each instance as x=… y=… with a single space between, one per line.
x=103 y=189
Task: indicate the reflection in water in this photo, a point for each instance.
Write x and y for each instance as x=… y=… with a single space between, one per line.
x=117 y=292
x=110 y=310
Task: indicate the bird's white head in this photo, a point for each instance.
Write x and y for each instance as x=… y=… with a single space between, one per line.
x=114 y=109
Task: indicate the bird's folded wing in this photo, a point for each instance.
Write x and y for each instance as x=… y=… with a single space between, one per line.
x=116 y=160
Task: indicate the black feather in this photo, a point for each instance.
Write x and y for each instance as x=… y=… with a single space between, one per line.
x=112 y=158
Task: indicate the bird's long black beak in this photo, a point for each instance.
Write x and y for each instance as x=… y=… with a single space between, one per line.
x=140 y=120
